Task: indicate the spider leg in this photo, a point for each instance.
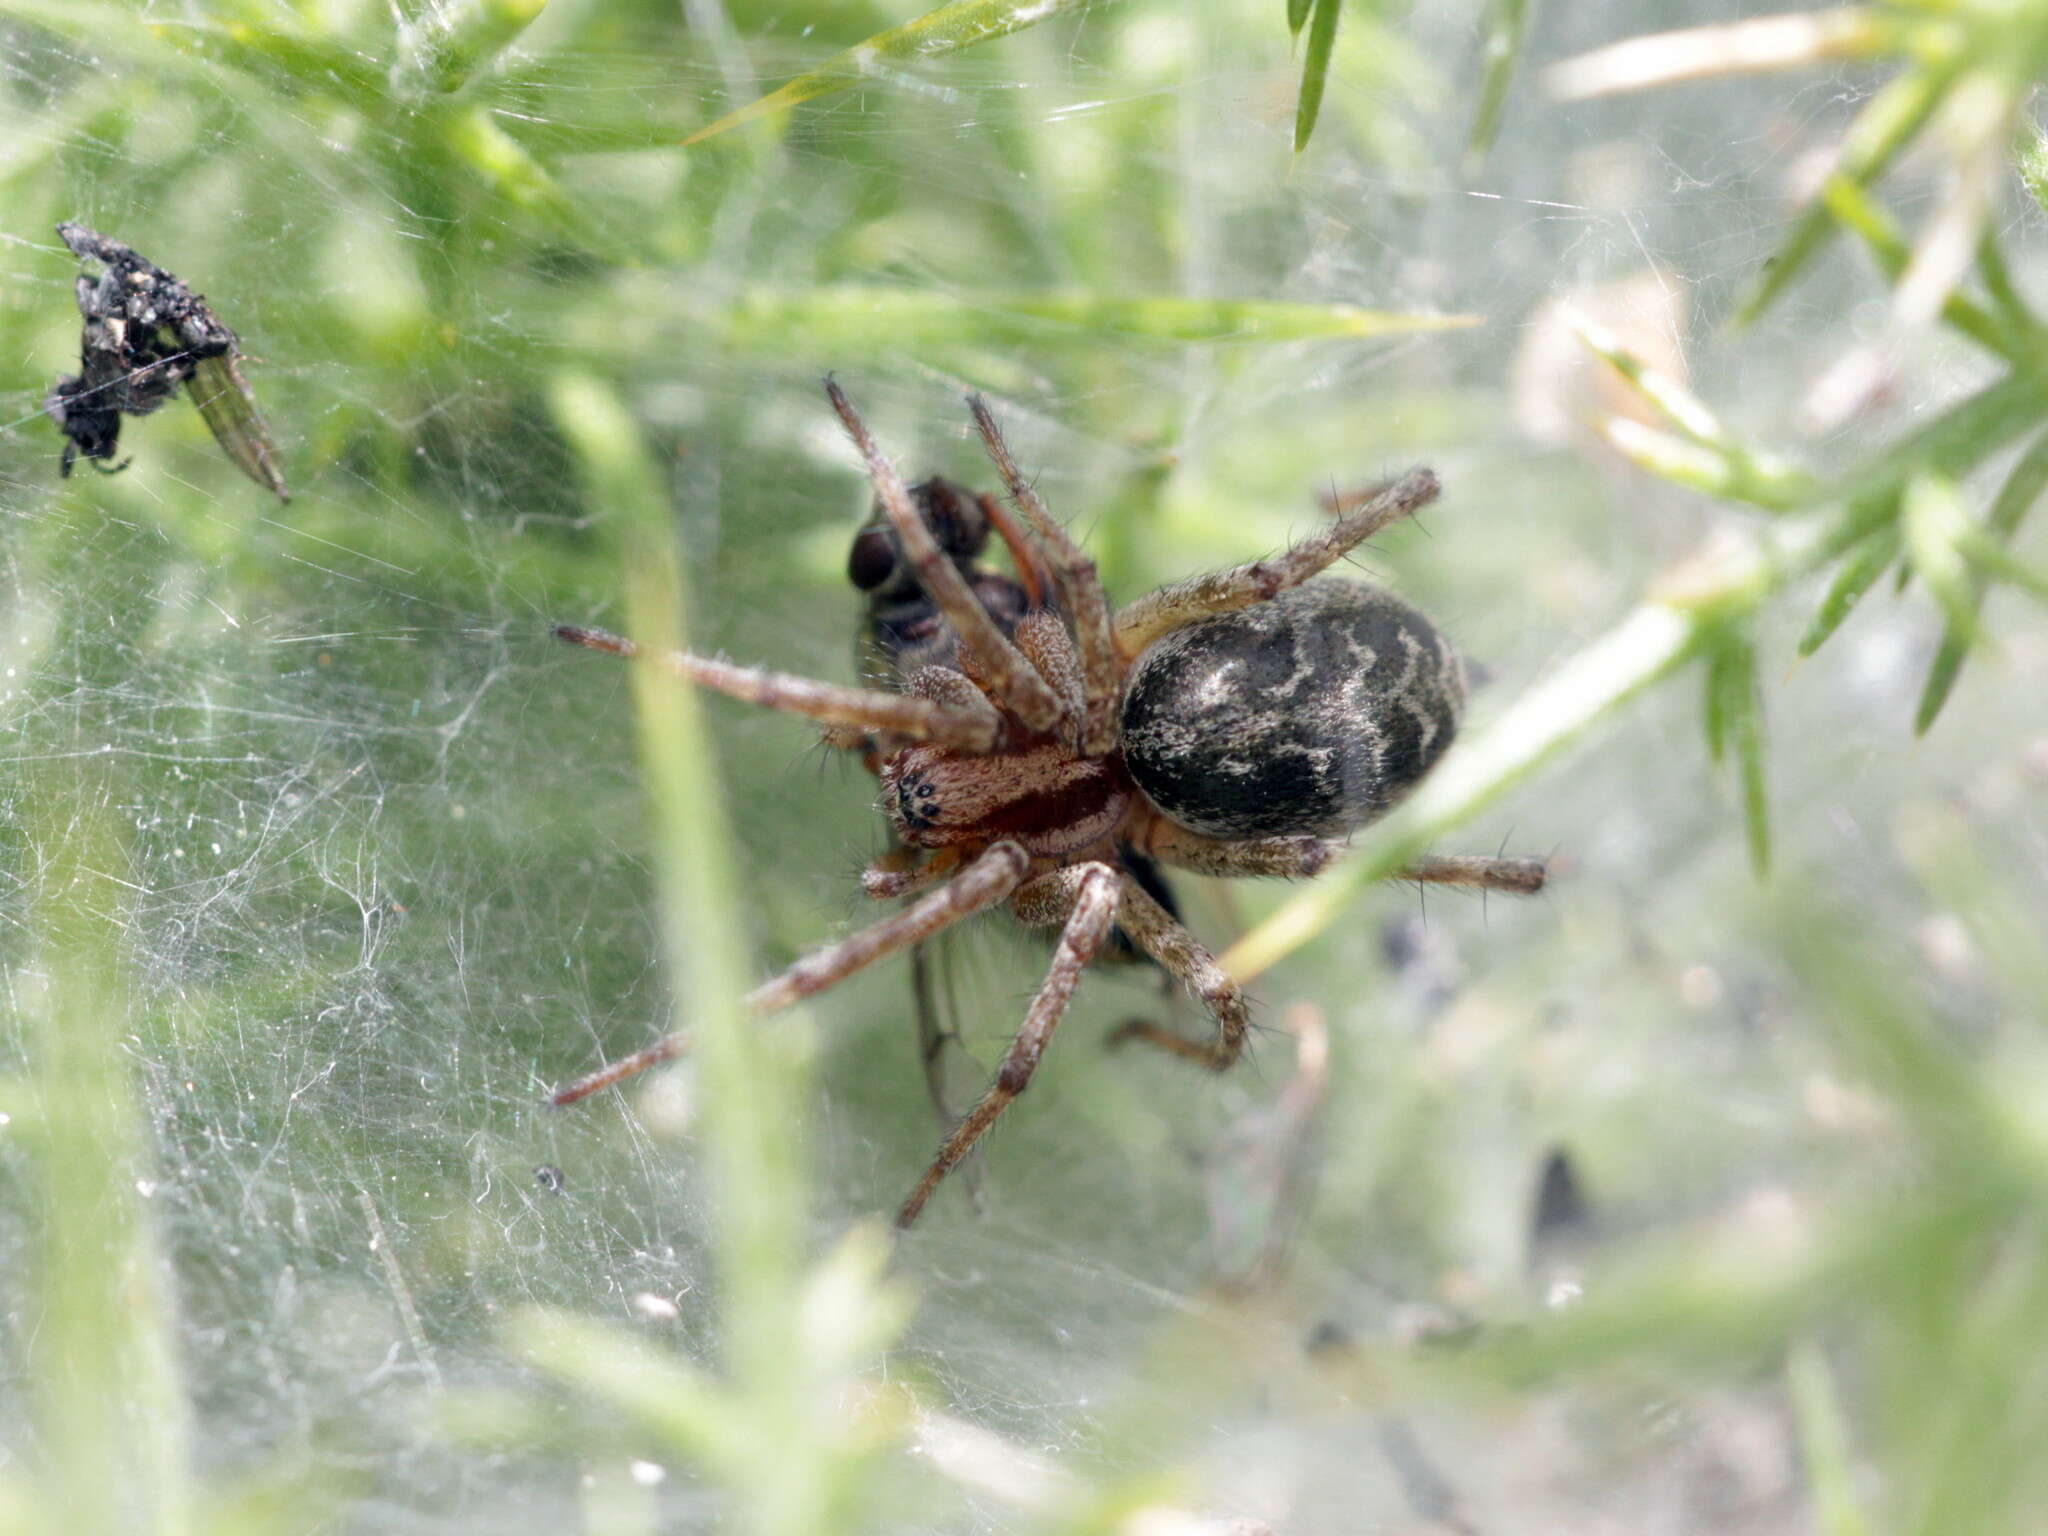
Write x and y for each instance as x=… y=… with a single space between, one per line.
x=1290 y=858
x=920 y=719
x=1080 y=591
x=1518 y=877
x=1092 y=901
x=1153 y=929
x=904 y=871
x=1182 y=602
x=1010 y=678
x=1298 y=858
x=988 y=880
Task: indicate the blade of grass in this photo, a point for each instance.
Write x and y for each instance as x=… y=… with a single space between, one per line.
x=945 y=30
x=849 y=317
x=101 y=1370
x=1824 y=1441
x=1315 y=70
x=1507 y=28
x=1297 y=14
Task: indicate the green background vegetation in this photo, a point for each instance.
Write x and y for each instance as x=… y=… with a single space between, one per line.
x=320 y=863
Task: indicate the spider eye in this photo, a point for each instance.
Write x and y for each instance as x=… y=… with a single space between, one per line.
x=872 y=560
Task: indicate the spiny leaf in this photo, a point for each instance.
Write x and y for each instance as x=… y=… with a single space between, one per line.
x=1734 y=717
x=1297 y=13
x=945 y=30
x=1747 y=732
x=1852 y=207
x=1716 y=471
x=1934 y=520
x=1315 y=70
x=1887 y=123
x=1857 y=575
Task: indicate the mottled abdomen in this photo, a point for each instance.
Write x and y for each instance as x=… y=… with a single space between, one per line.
x=1311 y=713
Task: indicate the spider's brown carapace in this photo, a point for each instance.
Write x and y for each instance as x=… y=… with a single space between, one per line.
x=1042 y=753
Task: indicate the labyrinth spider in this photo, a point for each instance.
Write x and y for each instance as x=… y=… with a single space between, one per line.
x=1037 y=745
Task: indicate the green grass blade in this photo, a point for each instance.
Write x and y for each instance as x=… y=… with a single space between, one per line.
x=1315 y=70
x=1297 y=16
x=101 y=1369
x=850 y=316
x=945 y=30
x=1824 y=1442
x=1507 y=28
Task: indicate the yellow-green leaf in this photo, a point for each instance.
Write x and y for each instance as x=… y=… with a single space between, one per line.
x=1315 y=70
x=879 y=317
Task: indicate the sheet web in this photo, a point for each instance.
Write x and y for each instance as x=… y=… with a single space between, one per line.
x=382 y=858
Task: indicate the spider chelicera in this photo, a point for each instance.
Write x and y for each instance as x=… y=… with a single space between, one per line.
x=1041 y=752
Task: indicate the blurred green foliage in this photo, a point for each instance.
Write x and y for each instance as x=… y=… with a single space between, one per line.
x=317 y=866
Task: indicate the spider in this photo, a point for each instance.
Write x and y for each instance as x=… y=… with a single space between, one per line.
x=145 y=334
x=1041 y=753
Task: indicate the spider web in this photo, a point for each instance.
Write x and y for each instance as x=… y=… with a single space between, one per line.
x=381 y=846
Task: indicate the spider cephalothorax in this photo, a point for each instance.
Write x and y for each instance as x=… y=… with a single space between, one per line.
x=1038 y=752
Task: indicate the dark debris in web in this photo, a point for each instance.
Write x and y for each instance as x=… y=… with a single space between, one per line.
x=146 y=334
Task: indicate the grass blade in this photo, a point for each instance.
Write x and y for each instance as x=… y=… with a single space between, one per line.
x=1315 y=70
x=932 y=35
x=1507 y=29
x=877 y=317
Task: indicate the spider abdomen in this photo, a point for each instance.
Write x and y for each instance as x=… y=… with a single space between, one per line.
x=1311 y=713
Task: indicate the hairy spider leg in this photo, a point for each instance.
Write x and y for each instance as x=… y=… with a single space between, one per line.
x=988 y=880
x=1290 y=857
x=1182 y=602
x=1080 y=591
x=1298 y=858
x=1517 y=877
x=1155 y=930
x=903 y=714
x=1009 y=677
x=1090 y=905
